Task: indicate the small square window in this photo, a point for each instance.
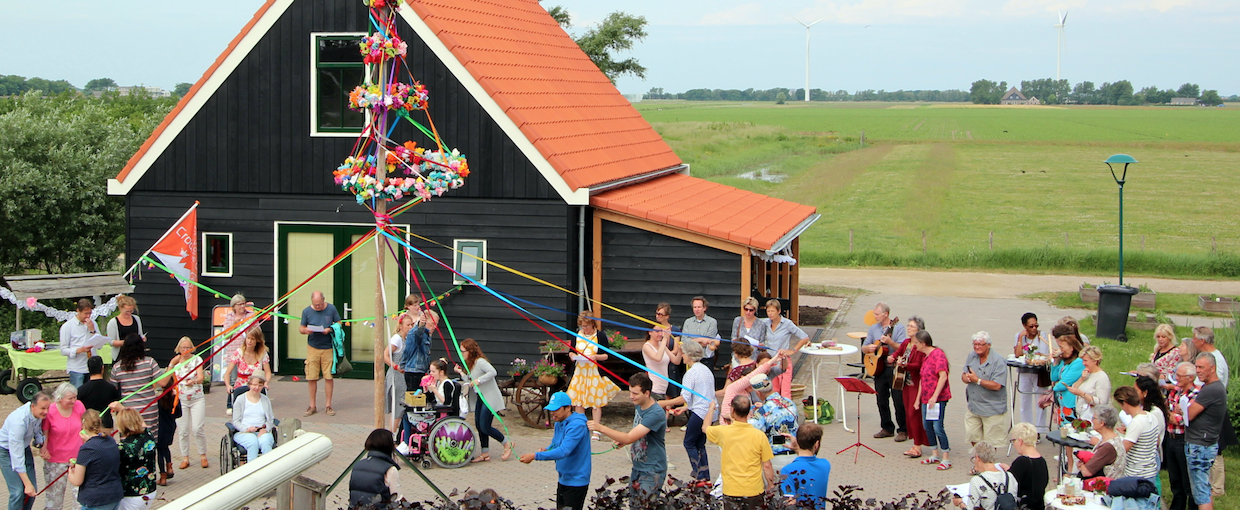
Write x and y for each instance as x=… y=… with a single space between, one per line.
x=217 y=255
x=470 y=260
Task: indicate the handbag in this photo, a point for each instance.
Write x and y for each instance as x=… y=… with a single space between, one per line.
x=342 y=366
x=1044 y=378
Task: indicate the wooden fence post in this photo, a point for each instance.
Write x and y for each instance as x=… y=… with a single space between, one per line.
x=992 y=240
x=850 y=246
x=923 y=242
x=1065 y=240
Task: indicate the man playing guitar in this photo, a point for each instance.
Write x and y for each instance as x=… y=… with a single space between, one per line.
x=875 y=339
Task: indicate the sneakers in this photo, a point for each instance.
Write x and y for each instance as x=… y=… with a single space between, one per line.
x=403 y=448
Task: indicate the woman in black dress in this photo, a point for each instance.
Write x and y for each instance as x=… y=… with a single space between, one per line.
x=1029 y=468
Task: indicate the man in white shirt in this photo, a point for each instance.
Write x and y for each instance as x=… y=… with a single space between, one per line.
x=75 y=335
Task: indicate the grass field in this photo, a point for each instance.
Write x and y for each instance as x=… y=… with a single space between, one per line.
x=1174 y=304
x=955 y=174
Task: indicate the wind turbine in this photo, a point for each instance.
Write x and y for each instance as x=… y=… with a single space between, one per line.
x=1063 y=41
x=794 y=18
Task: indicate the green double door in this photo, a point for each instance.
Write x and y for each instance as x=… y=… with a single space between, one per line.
x=303 y=249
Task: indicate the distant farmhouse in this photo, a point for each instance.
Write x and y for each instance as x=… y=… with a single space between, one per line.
x=1013 y=96
x=125 y=91
x=1183 y=101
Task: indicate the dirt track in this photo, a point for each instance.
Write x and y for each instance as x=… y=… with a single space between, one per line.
x=989 y=285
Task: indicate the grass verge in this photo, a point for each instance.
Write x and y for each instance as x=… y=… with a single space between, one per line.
x=1187 y=265
x=1177 y=304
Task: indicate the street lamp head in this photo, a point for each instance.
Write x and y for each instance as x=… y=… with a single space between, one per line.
x=1117 y=159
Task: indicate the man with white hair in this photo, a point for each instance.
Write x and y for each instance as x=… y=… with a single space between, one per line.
x=776 y=416
x=985 y=377
x=1178 y=401
x=1206 y=416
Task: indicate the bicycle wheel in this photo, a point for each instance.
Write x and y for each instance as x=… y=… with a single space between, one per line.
x=451 y=443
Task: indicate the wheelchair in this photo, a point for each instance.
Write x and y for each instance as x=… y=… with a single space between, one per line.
x=231 y=453
x=437 y=437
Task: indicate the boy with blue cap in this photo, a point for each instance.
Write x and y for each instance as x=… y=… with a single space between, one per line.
x=570 y=449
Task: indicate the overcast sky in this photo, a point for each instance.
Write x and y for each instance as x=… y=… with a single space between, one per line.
x=860 y=44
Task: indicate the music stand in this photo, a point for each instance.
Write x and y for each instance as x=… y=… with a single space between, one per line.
x=857 y=386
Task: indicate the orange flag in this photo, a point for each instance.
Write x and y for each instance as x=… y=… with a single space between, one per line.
x=178 y=251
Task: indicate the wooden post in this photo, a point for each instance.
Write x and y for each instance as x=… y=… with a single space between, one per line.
x=746 y=275
x=923 y=242
x=596 y=264
x=380 y=75
x=1142 y=242
x=850 y=248
x=992 y=240
x=795 y=313
x=1065 y=240
x=1213 y=244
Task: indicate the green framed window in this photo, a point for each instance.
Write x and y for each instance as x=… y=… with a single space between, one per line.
x=470 y=260
x=217 y=254
x=338 y=69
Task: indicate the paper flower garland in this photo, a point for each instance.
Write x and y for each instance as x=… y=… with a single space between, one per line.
x=399 y=96
x=427 y=174
x=375 y=48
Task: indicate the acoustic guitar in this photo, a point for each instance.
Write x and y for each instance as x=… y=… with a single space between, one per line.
x=876 y=362
x=899 y=377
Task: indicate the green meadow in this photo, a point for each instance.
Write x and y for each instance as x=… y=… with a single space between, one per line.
x=990 y=187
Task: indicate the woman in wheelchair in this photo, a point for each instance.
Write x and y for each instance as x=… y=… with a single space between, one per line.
x=443 y=397
x=253 y=419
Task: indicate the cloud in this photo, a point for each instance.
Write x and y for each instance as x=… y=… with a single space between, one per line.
x=744 y=14
x=884 y=11
x=1038 y=7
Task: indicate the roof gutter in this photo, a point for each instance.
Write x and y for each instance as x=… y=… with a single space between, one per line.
x=787 y=239
x=628 y=181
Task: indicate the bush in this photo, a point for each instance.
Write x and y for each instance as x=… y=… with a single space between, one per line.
x=679 y=495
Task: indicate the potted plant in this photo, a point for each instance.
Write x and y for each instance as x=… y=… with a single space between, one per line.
x=548 y=372
x=518 y=368
x=615 y=340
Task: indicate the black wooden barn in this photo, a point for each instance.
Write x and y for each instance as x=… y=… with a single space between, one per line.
x=568 y=182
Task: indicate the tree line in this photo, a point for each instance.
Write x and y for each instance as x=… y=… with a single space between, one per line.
x=1051 y=91
x=781 y=95
x=58 y=151
x=14 y=85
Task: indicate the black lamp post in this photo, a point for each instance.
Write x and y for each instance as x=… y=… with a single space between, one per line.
x=1114 y=301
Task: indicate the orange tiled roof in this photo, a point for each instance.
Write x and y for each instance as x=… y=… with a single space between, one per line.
x=550 y=89
x=707 y=208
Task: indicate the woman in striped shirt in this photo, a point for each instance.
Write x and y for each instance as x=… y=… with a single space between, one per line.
x=133 y=373
x=1143 y=436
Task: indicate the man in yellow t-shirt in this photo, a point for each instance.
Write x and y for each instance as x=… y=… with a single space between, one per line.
x=746 y=460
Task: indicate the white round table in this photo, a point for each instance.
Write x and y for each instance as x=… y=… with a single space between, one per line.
x=1091 y=502
x=822 y=356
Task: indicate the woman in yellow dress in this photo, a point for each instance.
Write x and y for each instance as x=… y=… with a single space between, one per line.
x=589 y=389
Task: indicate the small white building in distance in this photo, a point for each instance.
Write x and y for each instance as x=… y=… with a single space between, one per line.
x=1183 y=101
x=153 y=91
x=1013 y=96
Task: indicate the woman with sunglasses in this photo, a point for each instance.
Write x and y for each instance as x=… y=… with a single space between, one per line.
x=747 y=327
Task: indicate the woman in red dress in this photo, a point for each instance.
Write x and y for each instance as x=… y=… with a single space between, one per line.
x=910 y=359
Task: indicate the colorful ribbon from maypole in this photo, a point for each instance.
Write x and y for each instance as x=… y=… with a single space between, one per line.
x=488 y=290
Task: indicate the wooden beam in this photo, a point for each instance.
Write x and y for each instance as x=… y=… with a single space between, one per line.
x=746 y=276
x=597 y=264
x=673 y=232
x=762 y=282
x=796 y=280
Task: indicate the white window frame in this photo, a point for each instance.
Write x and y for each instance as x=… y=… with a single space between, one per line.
x=314 y=87
x=458 y=256
x=203 y=257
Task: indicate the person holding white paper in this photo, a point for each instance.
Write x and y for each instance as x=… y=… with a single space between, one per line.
x=935 y=391
x=78 y=341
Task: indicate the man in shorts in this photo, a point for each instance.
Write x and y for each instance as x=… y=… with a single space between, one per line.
x=316 y=324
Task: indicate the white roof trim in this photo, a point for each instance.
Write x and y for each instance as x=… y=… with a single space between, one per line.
x=200 y=98
x=571 y=197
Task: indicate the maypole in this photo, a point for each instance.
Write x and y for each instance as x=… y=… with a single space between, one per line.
x=378 y=170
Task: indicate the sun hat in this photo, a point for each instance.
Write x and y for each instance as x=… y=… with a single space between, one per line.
x=760 y=383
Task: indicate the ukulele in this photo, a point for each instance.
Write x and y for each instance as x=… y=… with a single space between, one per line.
x=877 y=362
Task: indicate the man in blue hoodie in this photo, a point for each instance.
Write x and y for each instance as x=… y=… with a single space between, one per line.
x=570 y=449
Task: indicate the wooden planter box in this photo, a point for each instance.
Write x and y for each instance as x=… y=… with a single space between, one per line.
x=1220 y=305
x=1148 y=324
x=1140 y=300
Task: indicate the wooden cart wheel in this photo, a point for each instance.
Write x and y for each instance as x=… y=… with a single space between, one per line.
x=530 y=397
